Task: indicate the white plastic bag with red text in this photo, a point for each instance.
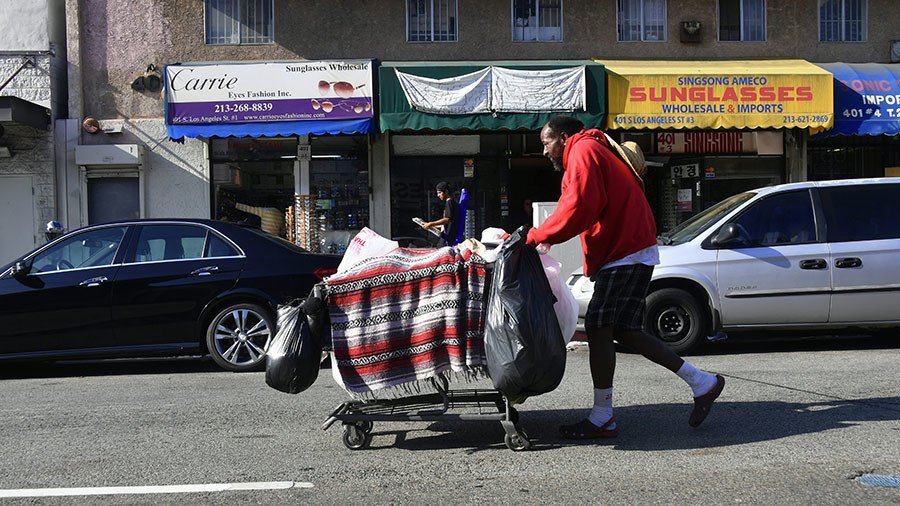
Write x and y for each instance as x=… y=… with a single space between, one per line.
x=566 y=307
x=366 y=244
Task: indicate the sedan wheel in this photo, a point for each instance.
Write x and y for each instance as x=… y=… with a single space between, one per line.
x=238 y=336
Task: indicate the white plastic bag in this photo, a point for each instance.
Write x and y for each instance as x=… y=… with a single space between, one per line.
x=566 y=307
x=366 y=244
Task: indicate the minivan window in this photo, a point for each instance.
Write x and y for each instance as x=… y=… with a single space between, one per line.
x=862 y=212
x=688 y=230
x=780 y=219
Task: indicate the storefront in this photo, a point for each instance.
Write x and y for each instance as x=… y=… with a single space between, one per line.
x=865 y=140
x=476 y=125
x=710 y=129
x=288 y=143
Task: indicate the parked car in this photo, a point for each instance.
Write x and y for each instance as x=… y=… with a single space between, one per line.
x=801 y=256
x=154 y=287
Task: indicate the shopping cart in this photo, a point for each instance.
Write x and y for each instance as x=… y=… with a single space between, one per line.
x=444 y=404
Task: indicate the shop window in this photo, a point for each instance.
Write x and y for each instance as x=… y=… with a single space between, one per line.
x=641 y=20
x=537 y=20
x=339 y=177
x=431 y=20
x=742 y=20
x=240 y=21
x=842 y=20
x=253 y=180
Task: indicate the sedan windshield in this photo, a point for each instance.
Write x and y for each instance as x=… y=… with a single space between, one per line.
x=688 y=230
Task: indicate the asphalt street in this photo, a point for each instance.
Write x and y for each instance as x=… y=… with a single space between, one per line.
x=797 y=423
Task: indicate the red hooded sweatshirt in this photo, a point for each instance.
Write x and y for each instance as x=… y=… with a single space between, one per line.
x=602 y=200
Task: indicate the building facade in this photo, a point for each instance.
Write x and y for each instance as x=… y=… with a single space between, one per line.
x=116 y=53
x=32 y=95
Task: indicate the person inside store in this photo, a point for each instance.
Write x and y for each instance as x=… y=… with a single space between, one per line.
x=226 y=211
x=450 y=219
x=525 y=216
x=603 y=201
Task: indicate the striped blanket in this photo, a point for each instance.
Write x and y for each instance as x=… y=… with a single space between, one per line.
x=407 y=316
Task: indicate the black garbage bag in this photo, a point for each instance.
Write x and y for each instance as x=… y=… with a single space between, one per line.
x=524 y=347
x=317 y=315
x=292 y=360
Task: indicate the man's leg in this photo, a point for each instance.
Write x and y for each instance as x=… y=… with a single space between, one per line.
x=705 y=386
x=602 y=355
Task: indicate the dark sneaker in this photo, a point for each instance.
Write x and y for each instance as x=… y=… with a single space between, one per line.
x=585 y=429
x=703 y=403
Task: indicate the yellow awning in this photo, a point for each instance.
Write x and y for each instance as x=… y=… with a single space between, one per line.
x=674 y=95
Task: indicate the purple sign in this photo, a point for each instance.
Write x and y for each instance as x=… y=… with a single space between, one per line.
x=268 y=92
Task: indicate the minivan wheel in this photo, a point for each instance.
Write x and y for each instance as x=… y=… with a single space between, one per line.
x=238 y=335
x=675 y=317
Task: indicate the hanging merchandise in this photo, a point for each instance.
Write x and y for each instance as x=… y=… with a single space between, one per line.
x=524 y=346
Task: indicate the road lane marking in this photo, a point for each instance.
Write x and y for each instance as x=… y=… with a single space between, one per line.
x=161 y=489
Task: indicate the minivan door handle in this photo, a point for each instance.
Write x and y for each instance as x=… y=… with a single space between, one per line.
x=94 y=281
x=815 y=263
x=846 y=263
x=205 y=271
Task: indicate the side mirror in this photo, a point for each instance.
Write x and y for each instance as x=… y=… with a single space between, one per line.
x=730 y=233
x=21 y=270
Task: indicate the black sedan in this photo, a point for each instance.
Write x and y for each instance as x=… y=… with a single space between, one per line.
x=154 y=288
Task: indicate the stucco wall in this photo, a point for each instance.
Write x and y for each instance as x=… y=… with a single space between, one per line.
x=176 y=179
x=25 y=26
x=120 y=43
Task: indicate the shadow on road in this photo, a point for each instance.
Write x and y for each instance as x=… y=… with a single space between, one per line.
x=655 y=427
x=738 y=344
x=115 y=367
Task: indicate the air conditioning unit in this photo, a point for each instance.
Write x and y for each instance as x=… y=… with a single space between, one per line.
x=116 y=155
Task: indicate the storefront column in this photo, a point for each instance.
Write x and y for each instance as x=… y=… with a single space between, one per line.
x=301 y=171
x=795 y=159
x=380 y=165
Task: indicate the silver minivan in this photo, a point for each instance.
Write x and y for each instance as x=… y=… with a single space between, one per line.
x=801 y=256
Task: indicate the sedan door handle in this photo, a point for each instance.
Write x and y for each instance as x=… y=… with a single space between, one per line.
x=94 y=281
x=846 y=263
x=815 y=263
x=205 y=271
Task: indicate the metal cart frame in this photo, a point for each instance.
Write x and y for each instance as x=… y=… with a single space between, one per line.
x=358 y=417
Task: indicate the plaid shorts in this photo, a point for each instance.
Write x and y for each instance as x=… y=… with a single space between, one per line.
x=618 y=299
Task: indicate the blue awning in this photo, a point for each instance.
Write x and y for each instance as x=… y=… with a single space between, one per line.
x=866 y=98
x=273 y=129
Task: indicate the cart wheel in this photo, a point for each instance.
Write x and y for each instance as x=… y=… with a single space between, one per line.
x=354 y=438
x=514 y=416
x=519 y=442
x=365 y=426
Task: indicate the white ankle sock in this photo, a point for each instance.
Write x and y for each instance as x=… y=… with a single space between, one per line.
x=602 y=410
x=700 y=382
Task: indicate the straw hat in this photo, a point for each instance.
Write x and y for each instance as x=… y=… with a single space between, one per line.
x=635 y=155
x=631 y=154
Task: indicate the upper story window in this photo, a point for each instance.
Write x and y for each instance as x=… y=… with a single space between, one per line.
x=641 y=20
x=842 y=20
x=743 y=20
x=240 y=21
x=537 y=20
x=431 y=20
